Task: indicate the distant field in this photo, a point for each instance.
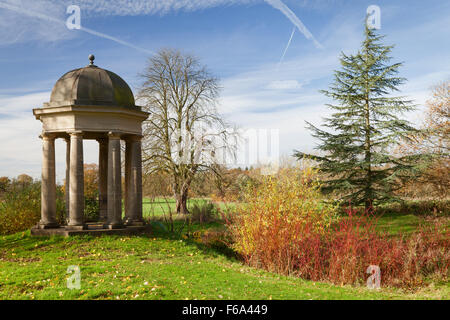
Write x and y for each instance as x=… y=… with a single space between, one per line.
x=392 y=222
x=159 y=207
x=396 y=221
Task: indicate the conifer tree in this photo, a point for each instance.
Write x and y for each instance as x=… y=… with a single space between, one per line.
x=365 y=125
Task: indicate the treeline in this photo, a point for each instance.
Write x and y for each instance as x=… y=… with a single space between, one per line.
x=223 y=184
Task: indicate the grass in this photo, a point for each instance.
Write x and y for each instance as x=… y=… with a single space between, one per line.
x=164 y=266
x=394 y=223
x=405 y=223
x=159 y=207
x=155 y=267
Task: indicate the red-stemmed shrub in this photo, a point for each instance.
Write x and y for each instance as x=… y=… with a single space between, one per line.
x=290 y=239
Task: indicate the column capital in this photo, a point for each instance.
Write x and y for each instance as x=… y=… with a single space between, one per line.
x=47 y=136
x=75 y=133
x=136 y=137
x=114 y=135
x=102 y=140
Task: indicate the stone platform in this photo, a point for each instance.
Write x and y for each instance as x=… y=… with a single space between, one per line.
x=91 y=230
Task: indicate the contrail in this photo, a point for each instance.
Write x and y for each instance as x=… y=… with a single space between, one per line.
x=286 y=49
x=59 y=21
x=148 y=7
x=278 y=4
x=102 y=35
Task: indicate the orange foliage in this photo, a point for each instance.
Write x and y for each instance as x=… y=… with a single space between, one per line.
x=91 y=181
x=435 y=139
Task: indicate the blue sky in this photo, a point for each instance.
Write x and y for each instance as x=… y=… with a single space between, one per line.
x=241 y=41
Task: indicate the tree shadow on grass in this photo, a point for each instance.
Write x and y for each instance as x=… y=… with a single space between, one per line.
x=189 y=236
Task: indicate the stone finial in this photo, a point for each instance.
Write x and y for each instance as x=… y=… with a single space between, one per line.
x=91 y=58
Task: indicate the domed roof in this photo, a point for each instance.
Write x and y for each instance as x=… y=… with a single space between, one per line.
x=92 y=85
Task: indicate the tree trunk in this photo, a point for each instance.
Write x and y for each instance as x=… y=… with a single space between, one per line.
x=368 y=159
x=368 y=197
x=181 y=202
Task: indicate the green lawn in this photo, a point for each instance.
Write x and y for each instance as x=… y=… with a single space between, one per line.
x=159 y=207
x=394 y=223
x=163 y=266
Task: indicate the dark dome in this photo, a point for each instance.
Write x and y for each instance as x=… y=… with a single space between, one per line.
x=92 y=85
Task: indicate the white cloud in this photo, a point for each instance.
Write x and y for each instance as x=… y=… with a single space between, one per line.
x=19 y=133
x=284 y=85
x=19 y=138
x=12 y=105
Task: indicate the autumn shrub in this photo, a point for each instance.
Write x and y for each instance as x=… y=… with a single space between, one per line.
x=20 y=208
x=275 y=212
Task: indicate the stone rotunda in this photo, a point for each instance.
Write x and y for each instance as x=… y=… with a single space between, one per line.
x=92 y=103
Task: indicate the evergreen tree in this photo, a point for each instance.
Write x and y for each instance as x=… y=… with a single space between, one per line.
x=364 y=127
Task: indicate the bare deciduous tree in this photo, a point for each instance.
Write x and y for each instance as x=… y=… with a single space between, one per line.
x=433 y=139
x=184 y=132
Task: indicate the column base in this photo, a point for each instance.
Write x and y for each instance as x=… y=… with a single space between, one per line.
x=111 y=226
x=137 y=223
x=102 y=220
x=47 y=225
x=78 y=227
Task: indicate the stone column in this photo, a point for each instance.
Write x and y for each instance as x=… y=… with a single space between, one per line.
x=48 y=187
x=114 y=220
x=67 y=188
x=103 y=179
x=134 y=182
x=76 y=187
x=127 y=180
